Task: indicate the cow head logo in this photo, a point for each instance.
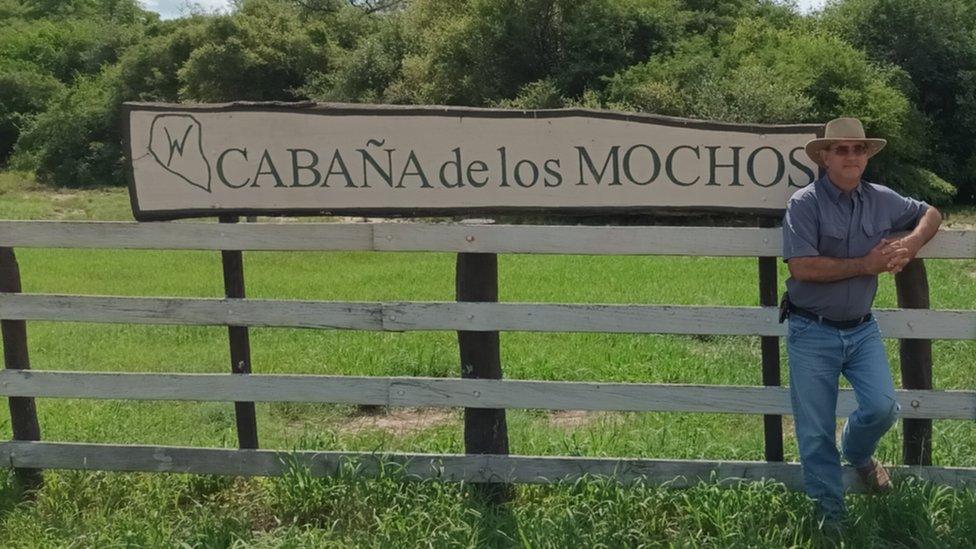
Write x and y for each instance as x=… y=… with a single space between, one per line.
x=176 y=142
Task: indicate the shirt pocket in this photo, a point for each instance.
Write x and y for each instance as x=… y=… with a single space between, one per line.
x=833 y=240
x=872 y=231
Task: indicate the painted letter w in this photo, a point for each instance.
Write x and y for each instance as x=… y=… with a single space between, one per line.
x=176 y=145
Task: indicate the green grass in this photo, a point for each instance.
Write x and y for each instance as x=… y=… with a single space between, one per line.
x=104 y=509
x=21 y=197
x=129 y=510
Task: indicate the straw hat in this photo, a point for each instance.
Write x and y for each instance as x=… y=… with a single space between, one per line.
x=843 y=129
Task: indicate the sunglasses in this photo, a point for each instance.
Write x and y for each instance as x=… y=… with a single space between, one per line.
x=844 y=150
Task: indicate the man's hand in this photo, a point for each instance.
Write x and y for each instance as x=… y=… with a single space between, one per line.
x=906 y=248
x=884 y=256
x=899 y=252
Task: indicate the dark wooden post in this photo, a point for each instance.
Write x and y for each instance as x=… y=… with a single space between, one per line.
x=768 y=288
x=240 y=344
x=915 y=356
x=485 y=429
x=23 y=411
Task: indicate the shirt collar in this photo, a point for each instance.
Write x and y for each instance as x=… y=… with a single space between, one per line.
x=835 y=193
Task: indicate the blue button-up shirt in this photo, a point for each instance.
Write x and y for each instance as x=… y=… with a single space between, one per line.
x=821 y=220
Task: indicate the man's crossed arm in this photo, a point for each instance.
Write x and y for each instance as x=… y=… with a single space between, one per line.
x=888 y=256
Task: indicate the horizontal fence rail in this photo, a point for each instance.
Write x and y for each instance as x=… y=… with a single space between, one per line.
x=446 y=467
x=448 y=392
x=446 y=237
x=470 y=316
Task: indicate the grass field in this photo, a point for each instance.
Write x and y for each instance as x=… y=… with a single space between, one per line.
x=86 y=509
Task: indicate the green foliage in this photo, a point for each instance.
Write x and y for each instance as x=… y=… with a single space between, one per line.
x=150 y=69
x=47 y=45
x=65 y=49
x=481 y=51
x=366 y=66
x=922 y=184
x=263 y=52
x=760 y=73
x=121 y=11
x=76 y=142
x=24 y=92
x=910 y=79
x=542 y=94
x=934 y=42
x=757 y=73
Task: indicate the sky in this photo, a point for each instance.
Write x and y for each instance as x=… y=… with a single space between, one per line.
x=170 y=9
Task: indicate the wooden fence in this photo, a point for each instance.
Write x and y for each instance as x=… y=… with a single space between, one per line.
x=477 y=317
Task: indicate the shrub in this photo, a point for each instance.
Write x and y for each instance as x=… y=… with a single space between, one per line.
x=24 y=92
x=76 y=141
x=759 y=73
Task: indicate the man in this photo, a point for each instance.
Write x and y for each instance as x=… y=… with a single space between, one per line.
x=835 y=241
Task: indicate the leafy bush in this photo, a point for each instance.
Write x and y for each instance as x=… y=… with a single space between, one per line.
x=934 y=42
x=481 y=51
x=24 y=92
x=367 y=70
x=149 y=69
x=759 y=73
x=65 y=66
x=66 y=49
x=263 y=52
x=76 y=141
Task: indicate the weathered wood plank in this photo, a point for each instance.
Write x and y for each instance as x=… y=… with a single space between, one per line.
x=470 y=316
x=596 y=240
x=442 y=467
x=652 y=319
x=201 y=387
x=474 y=393
x=446 y=237
x=206 y=312
x=188 y=236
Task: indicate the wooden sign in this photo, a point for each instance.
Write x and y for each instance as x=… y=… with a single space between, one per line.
x=307 y=158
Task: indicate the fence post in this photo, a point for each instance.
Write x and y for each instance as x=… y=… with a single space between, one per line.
x=485 y=429
x=23 y=411
x=240 y=343
x=915 y=355
x=768 y=287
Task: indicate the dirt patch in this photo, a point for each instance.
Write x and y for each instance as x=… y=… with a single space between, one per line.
x=571 y=418
x=68 y=213
x=954 y=222
x=399 y=421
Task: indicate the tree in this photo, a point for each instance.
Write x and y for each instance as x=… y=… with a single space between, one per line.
x=262 y=52
x=934 y=41
x=759 y=73
x=24 y=92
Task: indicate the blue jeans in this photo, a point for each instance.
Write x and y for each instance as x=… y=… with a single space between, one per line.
x=818 y=355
